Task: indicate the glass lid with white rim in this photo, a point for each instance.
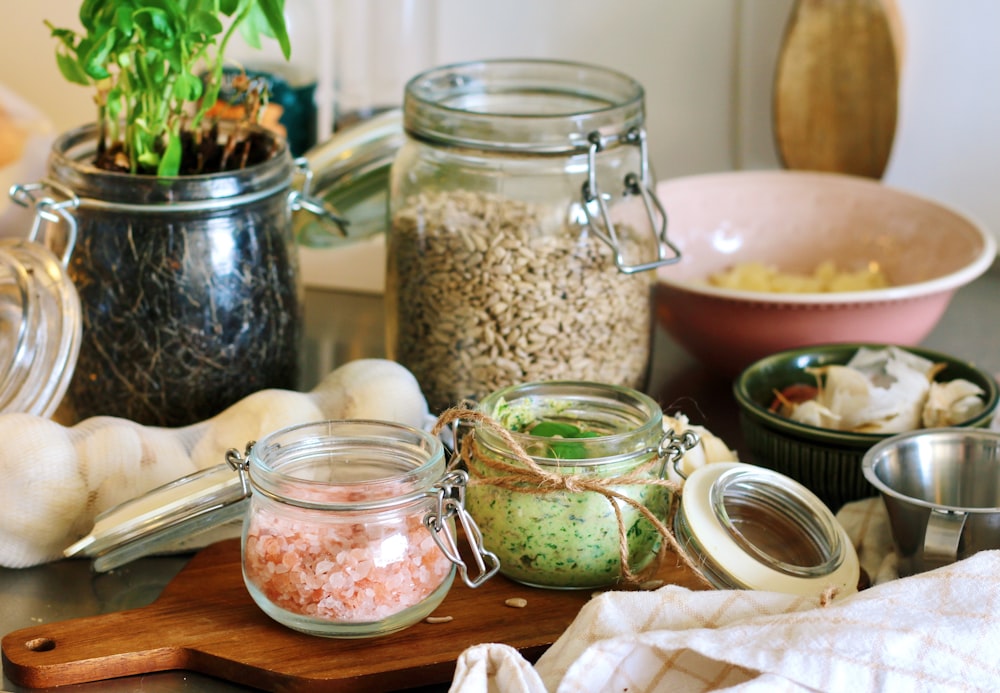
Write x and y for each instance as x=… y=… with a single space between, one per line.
x=40 y=320
x=747 y=527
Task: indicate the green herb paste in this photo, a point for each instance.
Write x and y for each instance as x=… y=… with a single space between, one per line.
x=563 y=539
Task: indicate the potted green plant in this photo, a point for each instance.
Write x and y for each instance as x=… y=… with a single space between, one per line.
x=157 y=67
x=184 y=257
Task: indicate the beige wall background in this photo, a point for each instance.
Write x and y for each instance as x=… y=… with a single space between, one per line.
x=706 y=65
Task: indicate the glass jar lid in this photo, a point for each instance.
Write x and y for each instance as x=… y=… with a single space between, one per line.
x=350 y=173
x=40 y=328
x=748 y=527
x=177 y=513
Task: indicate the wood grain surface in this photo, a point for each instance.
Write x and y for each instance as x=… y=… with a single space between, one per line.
x=205 y=621
x=836 y=87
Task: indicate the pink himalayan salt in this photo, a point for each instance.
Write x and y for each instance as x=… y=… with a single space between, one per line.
x=339 y=571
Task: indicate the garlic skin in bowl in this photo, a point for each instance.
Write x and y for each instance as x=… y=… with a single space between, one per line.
x=884 y=390
x=796 y=221
x=827 y=461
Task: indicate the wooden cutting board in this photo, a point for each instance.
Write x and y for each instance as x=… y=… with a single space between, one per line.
x=205 y=621
x=836 y=87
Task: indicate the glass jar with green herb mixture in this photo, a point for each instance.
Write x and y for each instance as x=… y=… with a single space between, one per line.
x=525 y=230
x=550 y=517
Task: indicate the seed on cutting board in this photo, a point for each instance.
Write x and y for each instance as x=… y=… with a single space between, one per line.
x=439 y=619
x=516 y=602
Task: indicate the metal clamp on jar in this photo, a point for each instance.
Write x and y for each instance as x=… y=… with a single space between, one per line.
x=524 y=229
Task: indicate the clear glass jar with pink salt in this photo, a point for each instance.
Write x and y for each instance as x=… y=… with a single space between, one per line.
x=350 y=529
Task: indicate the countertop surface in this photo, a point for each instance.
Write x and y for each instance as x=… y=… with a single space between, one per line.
x=343 y=326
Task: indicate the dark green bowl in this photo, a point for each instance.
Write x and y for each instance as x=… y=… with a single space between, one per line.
x=827 y=462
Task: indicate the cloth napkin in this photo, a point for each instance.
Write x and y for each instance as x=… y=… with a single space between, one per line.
x=935 y=631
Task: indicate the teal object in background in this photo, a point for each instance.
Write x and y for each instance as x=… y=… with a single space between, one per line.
x=296 y=98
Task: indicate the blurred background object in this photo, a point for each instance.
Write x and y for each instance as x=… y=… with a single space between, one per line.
x=836 y=87
x=298 y=88
x=892 y=260
x=25 y=137
x=378 y=45
x=708 y=69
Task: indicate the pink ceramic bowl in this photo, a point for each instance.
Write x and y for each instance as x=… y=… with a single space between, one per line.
x=794 y=220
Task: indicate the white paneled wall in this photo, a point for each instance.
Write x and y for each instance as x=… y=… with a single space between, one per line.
x=681 y=51
x=948 y=139
x=707 y=67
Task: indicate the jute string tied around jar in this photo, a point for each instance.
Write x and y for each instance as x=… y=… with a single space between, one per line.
x=531 y=478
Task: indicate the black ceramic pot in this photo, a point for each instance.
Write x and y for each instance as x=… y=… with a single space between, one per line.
x=190 y=290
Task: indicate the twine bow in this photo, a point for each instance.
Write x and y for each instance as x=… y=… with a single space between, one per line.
x=529 y=477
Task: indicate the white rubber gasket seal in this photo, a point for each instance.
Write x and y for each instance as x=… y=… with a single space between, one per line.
x=716 y=542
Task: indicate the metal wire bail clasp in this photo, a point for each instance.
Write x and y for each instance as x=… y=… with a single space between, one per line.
x=240 y=465
x=451 y=503
x=303 y=199
x=673 y=447
x=49 y=210
x=634 y=184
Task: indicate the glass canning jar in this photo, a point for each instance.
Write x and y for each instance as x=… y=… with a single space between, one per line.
x=350 y=530
x=524 y=229
x=547 y=536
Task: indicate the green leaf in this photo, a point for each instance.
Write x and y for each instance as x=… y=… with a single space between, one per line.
x=274 y=12
x=170 y=163
x=89 y=12
x=155 y=24
x=71 y=70
x=553 y=429
x=568 y=451
x=205 y=23
x=66 y=37
x=188 y=87
x=123 y=21
x=251 y=28
x=147 y=59
x=562 y=430
x=149 y=158
x=95 y=54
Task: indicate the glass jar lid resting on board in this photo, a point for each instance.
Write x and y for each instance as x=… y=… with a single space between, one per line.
x=40 y=317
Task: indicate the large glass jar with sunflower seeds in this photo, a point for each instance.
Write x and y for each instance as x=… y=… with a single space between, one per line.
x=524 y=229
